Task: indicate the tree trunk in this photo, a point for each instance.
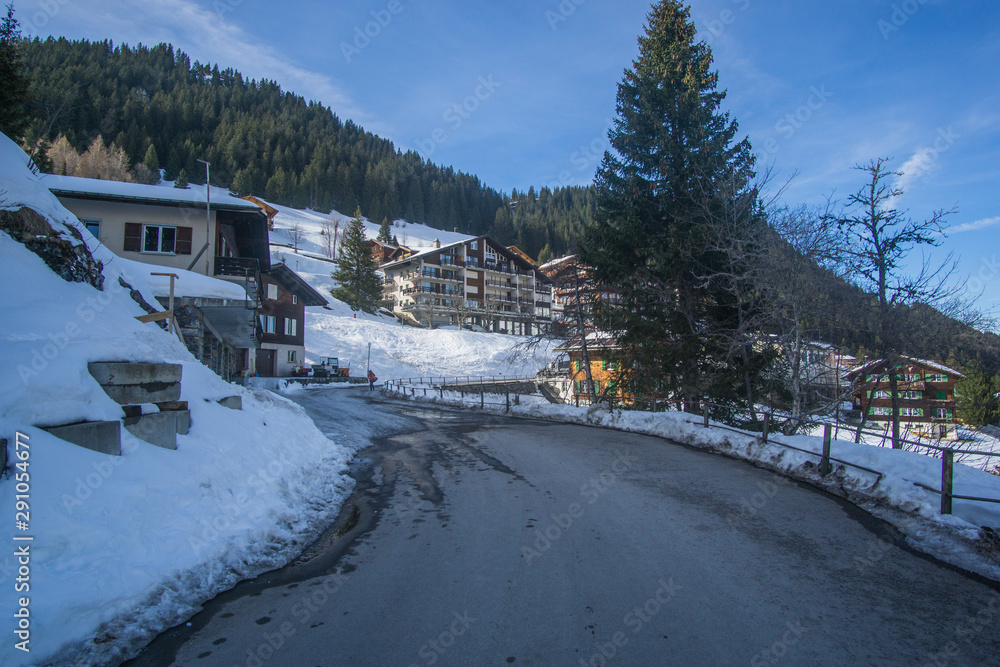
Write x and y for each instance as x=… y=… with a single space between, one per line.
x=582 y=329
x=894 y=391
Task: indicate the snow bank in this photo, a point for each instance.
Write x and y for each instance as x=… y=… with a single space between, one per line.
x=127 y=546
x=956 y=537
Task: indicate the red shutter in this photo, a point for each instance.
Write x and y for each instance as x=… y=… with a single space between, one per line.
x=183 y=246
x=133 y=237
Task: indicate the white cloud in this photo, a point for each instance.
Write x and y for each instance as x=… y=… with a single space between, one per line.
x=203 y=34
x=920 y=164
x=973 y=226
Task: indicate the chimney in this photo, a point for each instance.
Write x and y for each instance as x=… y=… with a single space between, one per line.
x=437 y=243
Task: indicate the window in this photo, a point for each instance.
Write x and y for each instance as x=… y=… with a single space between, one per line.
x=883 y=412
x=913 y=377
x=268 y=323
x=942 y=413
x=881 y=393
x=474 y=245
x=93 y=226
x=272 y=291
x=292 y=356
x=291 y=326
x=295 y=299
x=911 y=395
x=911 y=412
x=937 y=377
x=159 y=238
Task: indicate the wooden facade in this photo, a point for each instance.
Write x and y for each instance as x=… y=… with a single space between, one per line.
x=604 y=369
x=282 y=314
x=926 y=390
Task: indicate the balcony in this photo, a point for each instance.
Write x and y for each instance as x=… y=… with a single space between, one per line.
x=237 y=266
x=452 y=260
x=422 y=289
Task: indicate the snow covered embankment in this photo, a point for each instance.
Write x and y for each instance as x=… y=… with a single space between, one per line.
x=955 y=538
x=127 y=546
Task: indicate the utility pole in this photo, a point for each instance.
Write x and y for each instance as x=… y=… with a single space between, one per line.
x=369 y=359
x=208 y=217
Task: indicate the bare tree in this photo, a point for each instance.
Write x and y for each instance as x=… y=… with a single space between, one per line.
x=329 y=240
x=880 y=237
x=296 y=235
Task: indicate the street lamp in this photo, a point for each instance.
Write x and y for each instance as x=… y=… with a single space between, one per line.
x=208 y=217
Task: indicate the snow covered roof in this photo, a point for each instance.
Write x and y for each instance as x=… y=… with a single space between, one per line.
x=551 y=264
x=294 y=283
x=163 y=195
x=595 y=340
x=913 y=360
x=187 y=283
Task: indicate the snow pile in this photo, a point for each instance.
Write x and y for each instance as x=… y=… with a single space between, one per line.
x=894 y=497
x=127 y=546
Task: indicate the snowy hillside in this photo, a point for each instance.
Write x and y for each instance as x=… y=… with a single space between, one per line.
x=124 y=547
x=397 y=351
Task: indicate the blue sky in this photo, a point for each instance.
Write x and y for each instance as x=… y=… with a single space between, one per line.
x=522 y=93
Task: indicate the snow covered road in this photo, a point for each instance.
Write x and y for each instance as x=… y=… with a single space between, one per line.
x=473 y=539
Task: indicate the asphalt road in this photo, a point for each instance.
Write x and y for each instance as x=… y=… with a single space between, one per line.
x=477 y=540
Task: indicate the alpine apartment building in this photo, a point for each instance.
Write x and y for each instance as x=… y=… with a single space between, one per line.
x=475 y=282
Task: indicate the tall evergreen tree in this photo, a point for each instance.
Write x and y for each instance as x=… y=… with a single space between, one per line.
x=13 y=113
x=151 y=160
x=384 y=232
x=360 y=287
x=675 y=163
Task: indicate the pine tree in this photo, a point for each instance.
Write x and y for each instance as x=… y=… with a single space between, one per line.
x=182 y=179
x=678 y=158
x=976 y=396
x=151 y=160
x=14 y=116
x=360 y=287
x=384 y=232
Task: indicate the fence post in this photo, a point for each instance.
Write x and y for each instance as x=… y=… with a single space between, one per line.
x=442 y=392
x=947 y=479
x=482 y=398
x=577 y=398
x=507 y=394
x=706 y=415
x=767 y=424
x=824 y=463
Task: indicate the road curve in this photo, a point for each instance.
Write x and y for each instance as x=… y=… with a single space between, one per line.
x=478 y=540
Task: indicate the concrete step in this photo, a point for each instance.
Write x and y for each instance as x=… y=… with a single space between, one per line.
x=103 y=437
x=131 y=383
x=159 y=428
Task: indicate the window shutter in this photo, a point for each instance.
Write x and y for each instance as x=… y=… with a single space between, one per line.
x=183 y=246
x=133 y=237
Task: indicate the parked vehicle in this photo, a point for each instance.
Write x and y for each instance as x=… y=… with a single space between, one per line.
x=332 y=367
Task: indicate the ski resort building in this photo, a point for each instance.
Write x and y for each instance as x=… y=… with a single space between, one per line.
x=926 y=392
x=477 y=282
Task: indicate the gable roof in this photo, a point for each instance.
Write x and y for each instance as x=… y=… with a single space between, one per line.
x=294 y=283
x=77 y=187
x=511 y=256
x=596 y=340
x=864 y=368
